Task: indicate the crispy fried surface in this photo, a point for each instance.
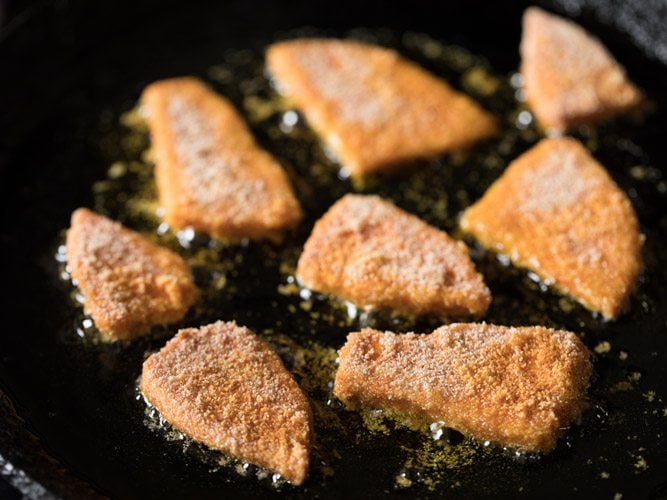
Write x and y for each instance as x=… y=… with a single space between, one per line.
x=129 y=283
x=556 y=211
x=367 y=250
x=223 y=386
x=372 y=107
x=569 y=77
x=210 y=173
x=517 y=387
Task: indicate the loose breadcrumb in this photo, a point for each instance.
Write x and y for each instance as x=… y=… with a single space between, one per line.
x=211 y=174
x=372 y=253
x=372 y=107
x=569 y=76
x=517 y=387
x=128 y=283
x=223 y=386
x=556 y=211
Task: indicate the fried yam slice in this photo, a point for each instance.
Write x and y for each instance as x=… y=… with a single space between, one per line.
x=210 y=172
x=517 y=387
x=569 y=76
x=557 y=212
x=372 y=107
x=372 y=253
x=128 y=283
x=223 y=386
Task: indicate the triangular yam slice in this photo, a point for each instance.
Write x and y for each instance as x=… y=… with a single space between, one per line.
x=128 y=283
x=372 y=253
x=557 y=212
x=517 y=387
x=569 y=76
x=210 y=172
x=223 y=386
x=372 y=107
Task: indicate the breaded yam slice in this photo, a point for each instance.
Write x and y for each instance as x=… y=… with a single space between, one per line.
x=223 y=386
x=517 y=387
x=211 y=174
x=372 y=253
x=557 y=212
x=372 y=107
x=128 y=283
x=569 y=76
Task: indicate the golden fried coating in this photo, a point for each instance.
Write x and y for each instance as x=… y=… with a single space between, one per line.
x=557 y=212
x=128 y=283
x=372 y=253
x=372 y=107
x=517 y=387
x=569 y=77
x=223 y=386
x=211 y=174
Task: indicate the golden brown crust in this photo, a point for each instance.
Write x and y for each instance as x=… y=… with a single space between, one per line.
x=372 y=107
x=367 y=250
x=569 y=76
x=129 y=283
x=211 y=174
x=556 y=211
x=518 y=387
x=223 y=386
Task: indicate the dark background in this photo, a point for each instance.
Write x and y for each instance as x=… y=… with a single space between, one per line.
x=60 y=59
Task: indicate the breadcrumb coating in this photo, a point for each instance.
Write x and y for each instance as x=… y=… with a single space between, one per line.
x=372 y=107
x=517 y=387
x=223 y=386
x=556 y=211
x=210 y=172
x=569 y=77
x=372 y=253
x=128 y=283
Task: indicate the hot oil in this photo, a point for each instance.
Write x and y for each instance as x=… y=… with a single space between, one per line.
x=253 y=282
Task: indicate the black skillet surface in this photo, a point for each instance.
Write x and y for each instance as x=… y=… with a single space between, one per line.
x=68 y=412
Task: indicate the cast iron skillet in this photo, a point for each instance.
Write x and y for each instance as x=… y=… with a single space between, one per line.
x=68 y=413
